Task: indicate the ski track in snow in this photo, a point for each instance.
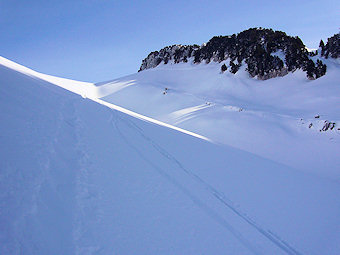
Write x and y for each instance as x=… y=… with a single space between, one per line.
x=272 y=237
x=87 y=212
x=204 y=207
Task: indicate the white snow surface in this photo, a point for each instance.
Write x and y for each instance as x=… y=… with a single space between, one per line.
x=269 y=118
x=78 y=177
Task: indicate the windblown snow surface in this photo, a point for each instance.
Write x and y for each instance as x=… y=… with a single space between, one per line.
x=82 y=175
x=279 y=119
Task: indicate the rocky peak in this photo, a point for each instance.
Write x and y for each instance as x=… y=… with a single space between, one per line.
x=265 y=52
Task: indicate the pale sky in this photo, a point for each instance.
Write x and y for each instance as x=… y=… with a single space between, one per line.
x=98 y=40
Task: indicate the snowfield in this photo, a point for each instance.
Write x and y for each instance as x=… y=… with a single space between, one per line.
x=156 y=163
x=279 y=119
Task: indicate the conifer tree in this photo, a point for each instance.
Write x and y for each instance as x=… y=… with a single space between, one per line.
x=224 y=68
x=322 y=46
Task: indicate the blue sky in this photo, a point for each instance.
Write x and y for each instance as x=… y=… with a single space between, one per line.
x=97 y=40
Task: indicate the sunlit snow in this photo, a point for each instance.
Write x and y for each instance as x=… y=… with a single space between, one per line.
x=219 y=164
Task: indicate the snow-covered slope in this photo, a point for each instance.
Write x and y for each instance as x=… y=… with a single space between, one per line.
x=279 y=118
x=81 y=88
x=77 y=177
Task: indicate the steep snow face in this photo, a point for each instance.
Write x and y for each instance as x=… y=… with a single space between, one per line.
x=77 y=177
x=283 y=119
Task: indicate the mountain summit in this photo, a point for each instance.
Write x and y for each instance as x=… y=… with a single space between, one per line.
x=265 y=52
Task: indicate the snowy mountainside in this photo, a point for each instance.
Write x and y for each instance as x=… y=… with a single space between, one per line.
x=289 y=119
x=77 y=177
